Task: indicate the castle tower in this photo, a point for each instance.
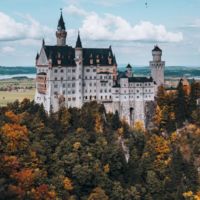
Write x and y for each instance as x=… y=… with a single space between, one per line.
x=61 y=33
x=79 y=71
x=157 y=66
x=129 y=72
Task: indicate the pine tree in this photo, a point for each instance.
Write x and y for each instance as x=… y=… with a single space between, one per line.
x=181 y=105
x=194 y=95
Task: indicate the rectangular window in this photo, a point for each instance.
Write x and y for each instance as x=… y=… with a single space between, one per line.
x=55 y=70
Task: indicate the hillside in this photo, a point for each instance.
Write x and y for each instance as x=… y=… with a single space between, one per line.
x=79 y=154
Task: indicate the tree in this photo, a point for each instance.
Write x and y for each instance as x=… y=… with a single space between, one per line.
x=181 y=105
x=98 y=194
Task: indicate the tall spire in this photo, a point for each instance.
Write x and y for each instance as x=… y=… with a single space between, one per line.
x=61 y=34
x=78 y=42
x=61 y=23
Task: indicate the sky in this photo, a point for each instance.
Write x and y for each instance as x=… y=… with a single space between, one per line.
x=129 y=26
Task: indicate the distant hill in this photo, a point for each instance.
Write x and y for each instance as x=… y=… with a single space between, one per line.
x=170 y=71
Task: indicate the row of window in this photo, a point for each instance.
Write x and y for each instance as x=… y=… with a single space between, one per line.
x=137 y=84
x=62 y=70
x=86 y=78
x=94 y=97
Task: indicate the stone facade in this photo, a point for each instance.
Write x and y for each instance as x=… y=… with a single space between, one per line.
x=69 y=77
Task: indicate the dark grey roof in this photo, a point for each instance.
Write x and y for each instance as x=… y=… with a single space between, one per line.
x=156 y=48
x=95 y=54
x=61 y=23
x=66 y=54
x=128 y=66
x=114 y=60
x=78 y=42
x=121 y=74
x=140 y=79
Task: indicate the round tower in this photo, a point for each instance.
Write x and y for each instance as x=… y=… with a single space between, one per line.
x=157 y=66
x=61 y=33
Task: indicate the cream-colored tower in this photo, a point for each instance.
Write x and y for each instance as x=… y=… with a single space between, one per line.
x=61 y=33
x=157 y=66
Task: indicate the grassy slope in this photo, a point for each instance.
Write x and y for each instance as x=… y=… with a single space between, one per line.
x=8 y=97
x=11 y=96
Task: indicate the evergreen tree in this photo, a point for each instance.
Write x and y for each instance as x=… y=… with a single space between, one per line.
x=181 y=105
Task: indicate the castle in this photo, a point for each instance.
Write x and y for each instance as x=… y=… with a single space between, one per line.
x=69 y=77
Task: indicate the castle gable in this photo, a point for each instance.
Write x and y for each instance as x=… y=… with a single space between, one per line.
x=42 y=58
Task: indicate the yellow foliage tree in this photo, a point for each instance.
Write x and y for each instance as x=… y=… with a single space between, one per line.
x=120 y=131
x=139 y=126
x=191 y=196
x=67 y=184
x=106 y=168
x=77 y=145
x=13 y=117
x=98 y=124
x=98 y=194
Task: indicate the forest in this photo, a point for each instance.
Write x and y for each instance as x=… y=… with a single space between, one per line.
x=88 y=154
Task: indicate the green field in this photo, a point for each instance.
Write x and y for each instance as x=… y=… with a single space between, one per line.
x=9 y=97
x=15 y=89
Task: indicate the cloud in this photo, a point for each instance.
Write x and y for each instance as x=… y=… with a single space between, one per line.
x=12 y=30
x=74 y=10
x=195 y=24
x=109 y=3
x=7 y=49
x=116 y=28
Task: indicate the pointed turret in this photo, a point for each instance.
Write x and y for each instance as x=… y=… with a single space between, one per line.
x=78 y=42
x=61 y=34
x=61 y=23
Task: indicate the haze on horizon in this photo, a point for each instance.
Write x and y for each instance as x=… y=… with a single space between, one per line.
x=127 y=25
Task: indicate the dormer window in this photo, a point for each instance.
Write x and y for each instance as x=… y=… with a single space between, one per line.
x=97 y=59
x=59 y=62
x=91 y=60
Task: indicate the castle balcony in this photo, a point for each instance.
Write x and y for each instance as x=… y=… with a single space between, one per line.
x=42 y=89
x=41 y=79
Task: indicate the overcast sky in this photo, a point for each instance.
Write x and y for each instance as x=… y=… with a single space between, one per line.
x=129 y=26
